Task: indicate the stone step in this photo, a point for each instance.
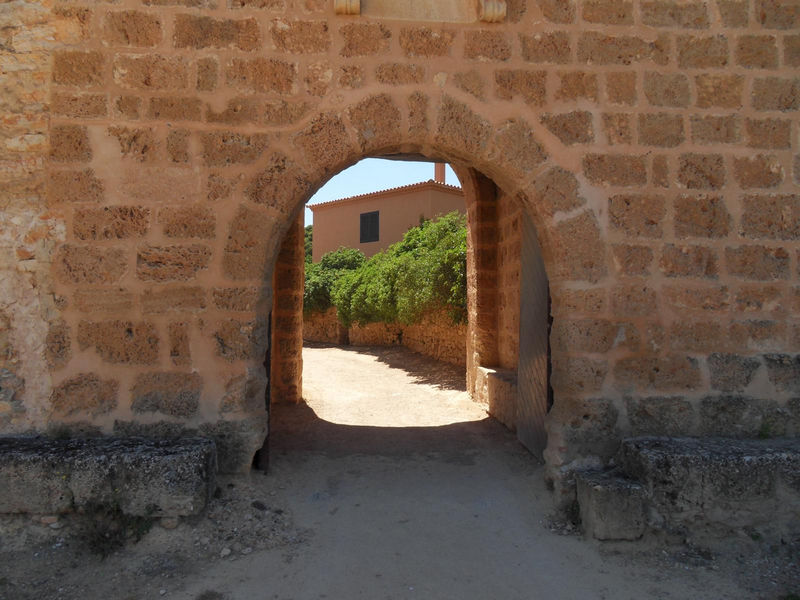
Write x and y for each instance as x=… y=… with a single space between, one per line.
x=142 y=477
x=701 y=488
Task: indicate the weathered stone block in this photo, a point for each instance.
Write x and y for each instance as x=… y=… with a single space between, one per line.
x=325 y=142
x=238 y=298
x=577 y=375
x=175 y=109
x=723 y=91
x=424 y=41
x=207 y=74
x=664 y=130
x=670 y=90
x=757 y=334
x=591 y=335
x=669 y=372
x=689 y=261
x=609 y=12
x=597 y=48
x=558 y=11
x=127 y=342
x=734 y=13
x=240 y=340
x=669 y=13
x=571 y=128
x=768 y=133
x=487 y=44
x=462 y=129
x=179 y=350
x=633 y=260
x=759 y=263
x=731 y=372
x=132 y=28
x=194 y=31
x=250 y=245
x=702 y=52
x=757 y=171
x=138 y=144
x=660 y=415
x=611 y=507
x=69 y=143
x=377 y=122
x=113 y=300
x=224 y=148
x=79 y=106
x=173 y=394
x=399 y=73
x=775 y=93
x=784 y=372
x=74 y=186
x=777 y=14
x=144 y=478
x=716 y=129
x=577 y=85
x=353 y=76
x=151 y=72
x=637 y=215
x=584 y=261
x=173 y=299
x=84 y=394
x=364 y=39
x=128 y=107
x=110 y=222
x=701 y=216
x=546 y=47
x=701 y=171
x=188 y=222
x=757 y=51
x=530 y=85
x=261 y=75
x=621 y=88
x=633 y=300
x=615 y=169
x=178 y=145
x=79 y=69
x=300 y=37
x=698 y=298
x=557 y=191
x=89 y=264
x=771 y=216
x=171 y=263
x=618 y=128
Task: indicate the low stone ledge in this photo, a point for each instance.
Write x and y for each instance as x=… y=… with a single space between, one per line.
x=157 y=478
x=611 y=507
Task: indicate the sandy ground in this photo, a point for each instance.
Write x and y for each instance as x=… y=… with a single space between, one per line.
x=388 y=484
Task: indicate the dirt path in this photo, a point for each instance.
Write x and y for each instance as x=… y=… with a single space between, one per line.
x=400 y=489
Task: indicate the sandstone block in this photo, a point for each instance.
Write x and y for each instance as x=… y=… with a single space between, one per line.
x=618 y=128
x=576 y=85
x=178 y=145
x=633 y=300
x=237 y=298
x=591 y=335
x=701 y=216
x=124 y=342
x=615 y=169
x=179 y=350
x=78 y=69
x=89 y=264
x=608 y=12
x=758 y=263
x=775 y=93
x=695 y=298
x=791 y=50
x=173 y=394
x=664 y=373
x=557 y=191
x=579 y=301
x=131 y=28
x=364 y=39
x=528 y=84
x=660 y=415
x=69 y=143
x=701 y=171
x=757 y=334
x=621 y=88
x=249 y=246
x=207 y=74
x=611 y=507
x=352 y=77
x=734 y=13
x=84 y=394
x=128 y=107
x=376 y=120
x=280 y=185
x=424 y=41
x=777 y=14
x=79 y=106
x=637 y=215
x=110 y=222
x=757 y=171
x=768 y=133
x=399 y=73
x=775 y=217
x=175 y=109
x=194 y=31
x=325 y=142
x=151 y=72
x=571 y=128
x=702 y=52
x=138 y=144
x=664 y=130
x=597 y=48
x=240 y=340
x=261 y=75
x=661 y=177
x=546 y=47
x=107 y=300
x=757 y=51
x=487 y=44
x=758 y=298
x=515 y=143
x=662 y=89
x=670 y=13
x=171 y=263
x=188 y=222
x=462 y=129
x=58 y=347
x=697 y=336
x=633 y=260
x=300 y=37
x=716 y=129
x=784 y=372
x=578 y=375
x=222 y=148
x=731 y=372
x=558 y=11
x=721 y=91
x=178 y=299
x=584 y=261
x=74 y=186
x=689 y=261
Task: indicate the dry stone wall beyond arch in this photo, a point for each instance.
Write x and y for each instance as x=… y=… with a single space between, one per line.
x=155 y=151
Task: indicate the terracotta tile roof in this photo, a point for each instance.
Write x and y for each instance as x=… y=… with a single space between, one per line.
x=389 y=191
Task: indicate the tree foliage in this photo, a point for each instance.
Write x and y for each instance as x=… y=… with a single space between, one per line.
x=425 y=271
x=308 y=238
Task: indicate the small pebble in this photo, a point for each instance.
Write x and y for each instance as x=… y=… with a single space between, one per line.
x=162 y=592
x=225 y=552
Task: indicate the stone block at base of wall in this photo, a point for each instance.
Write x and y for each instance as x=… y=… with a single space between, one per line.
x=140 y=477
x=497 y=388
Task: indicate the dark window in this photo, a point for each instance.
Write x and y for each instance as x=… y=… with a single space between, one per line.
x=369 y=227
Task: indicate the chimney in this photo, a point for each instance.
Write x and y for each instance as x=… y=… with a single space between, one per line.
x=439 y=173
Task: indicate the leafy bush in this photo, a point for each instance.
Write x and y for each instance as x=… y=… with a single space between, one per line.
x=321 y=276
x=308 y=241
x=425 y=271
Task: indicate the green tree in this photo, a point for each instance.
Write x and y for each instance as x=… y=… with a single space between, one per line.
x=321 y=276
x=308 y=235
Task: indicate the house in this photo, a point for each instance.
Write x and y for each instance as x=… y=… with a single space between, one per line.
x=373 y=222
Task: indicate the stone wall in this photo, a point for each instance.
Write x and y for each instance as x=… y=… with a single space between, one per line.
x=435 y=335
x=155 y=153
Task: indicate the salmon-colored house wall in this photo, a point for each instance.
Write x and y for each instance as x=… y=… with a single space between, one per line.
x=338 y=223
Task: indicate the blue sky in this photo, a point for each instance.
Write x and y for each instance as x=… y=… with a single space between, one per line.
x=373 y=175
